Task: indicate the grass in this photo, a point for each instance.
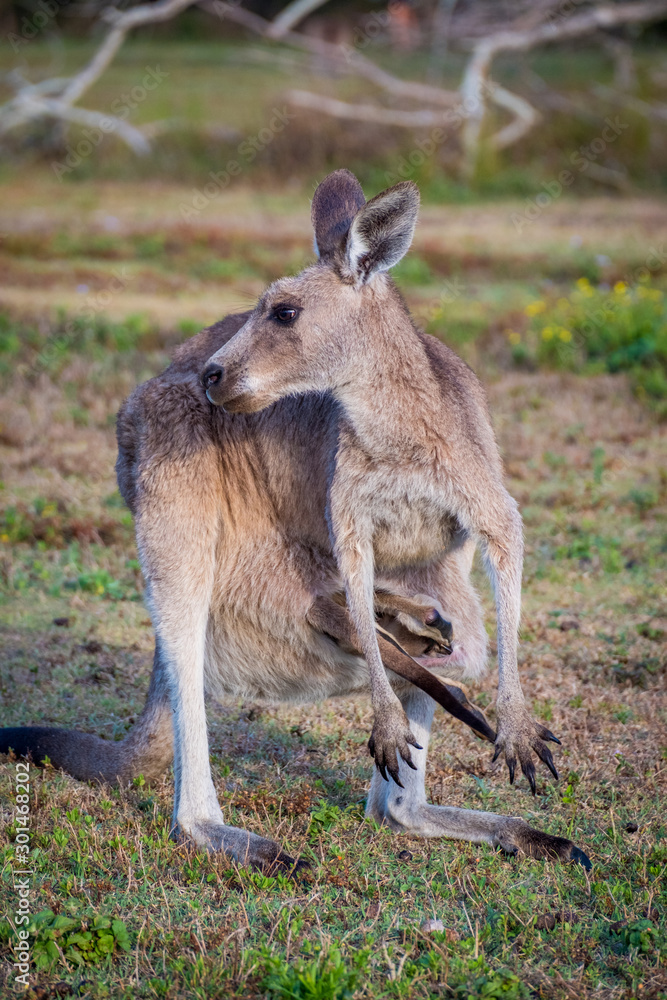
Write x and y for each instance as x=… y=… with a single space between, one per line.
x=119 y=910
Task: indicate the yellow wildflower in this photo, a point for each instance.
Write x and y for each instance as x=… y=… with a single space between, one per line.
x=620 y=288
x=535 y=308
x=4 y=538
x=584 y=286
x=547 y=333
x=565 y=335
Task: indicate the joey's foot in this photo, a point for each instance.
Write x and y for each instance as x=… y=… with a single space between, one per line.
x=515 y=835
x=519 y=737
x=246 y=848
x=391 y=736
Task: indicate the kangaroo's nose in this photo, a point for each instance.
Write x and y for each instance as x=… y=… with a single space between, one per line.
x=211 y=376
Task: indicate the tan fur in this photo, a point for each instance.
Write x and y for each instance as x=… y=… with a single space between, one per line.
x=251 y=512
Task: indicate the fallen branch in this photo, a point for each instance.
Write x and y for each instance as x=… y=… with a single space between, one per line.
x=422 y=118
x=477 y=73
x=343 y=56
x=31 y=102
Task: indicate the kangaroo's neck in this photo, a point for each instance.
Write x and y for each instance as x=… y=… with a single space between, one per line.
x=389 y=395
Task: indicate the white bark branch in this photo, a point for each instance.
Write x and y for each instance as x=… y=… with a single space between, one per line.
x=291 y=15
x=344 y=56
x=476 y=78
x=31 y=102
x=422 y=118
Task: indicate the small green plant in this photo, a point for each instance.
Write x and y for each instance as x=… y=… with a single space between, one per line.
x=82 y=941
x=498 y=984
x=326 y=977
x=101 y=583
x=641 y=934
x=584 y=544
x=596 y=329
x=323 y=818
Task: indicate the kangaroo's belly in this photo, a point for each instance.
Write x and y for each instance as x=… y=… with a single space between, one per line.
x=240 y=663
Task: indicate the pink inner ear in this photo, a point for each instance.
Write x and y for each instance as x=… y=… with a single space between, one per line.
x=335 y=203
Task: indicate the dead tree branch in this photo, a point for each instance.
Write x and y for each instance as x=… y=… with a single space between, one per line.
x=31 y=102
x=422 y=118
x=343 y=56
x=291 y=15
x=476 y=78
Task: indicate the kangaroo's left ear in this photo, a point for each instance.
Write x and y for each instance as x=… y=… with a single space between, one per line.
x=382 y=231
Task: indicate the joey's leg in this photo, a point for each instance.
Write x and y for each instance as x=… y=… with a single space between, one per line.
x=449 y=588
x=406 y=810
x=421 y=617
x=177 y=535
x=330 y=618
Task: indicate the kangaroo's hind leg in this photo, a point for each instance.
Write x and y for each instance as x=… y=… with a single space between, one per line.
x=406 y=810
x=178 y=534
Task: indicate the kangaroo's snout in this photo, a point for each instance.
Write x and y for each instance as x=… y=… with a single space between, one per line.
x=224 y=386
x=211 y=375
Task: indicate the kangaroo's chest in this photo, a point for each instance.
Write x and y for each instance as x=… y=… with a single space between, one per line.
x=404 y=511
x=408 y=531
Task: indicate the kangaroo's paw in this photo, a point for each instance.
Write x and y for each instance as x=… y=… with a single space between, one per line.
x=514 y=835
x=391 y=736
x=246 y=848
x=519 y=737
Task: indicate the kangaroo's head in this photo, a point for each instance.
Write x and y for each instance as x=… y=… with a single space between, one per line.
x=309 y=333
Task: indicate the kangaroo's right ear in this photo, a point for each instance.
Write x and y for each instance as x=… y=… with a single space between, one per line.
x=335 y=203
x=382 y=231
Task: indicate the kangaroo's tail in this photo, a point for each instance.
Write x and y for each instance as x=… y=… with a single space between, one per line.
x=147 y=749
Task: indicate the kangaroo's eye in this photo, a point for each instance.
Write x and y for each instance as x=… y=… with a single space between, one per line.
x=286 y=314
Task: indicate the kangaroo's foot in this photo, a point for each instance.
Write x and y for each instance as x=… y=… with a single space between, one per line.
x=405 y=809
x=511 y=834
x=514 y=835
x=246 y=848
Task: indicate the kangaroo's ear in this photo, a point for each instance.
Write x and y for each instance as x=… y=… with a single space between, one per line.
x=382 y=231
x=335 y=203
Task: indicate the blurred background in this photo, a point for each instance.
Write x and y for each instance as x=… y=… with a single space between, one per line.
x=157 y=163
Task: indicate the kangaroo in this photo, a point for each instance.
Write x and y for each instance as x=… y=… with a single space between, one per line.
x=309 y=482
